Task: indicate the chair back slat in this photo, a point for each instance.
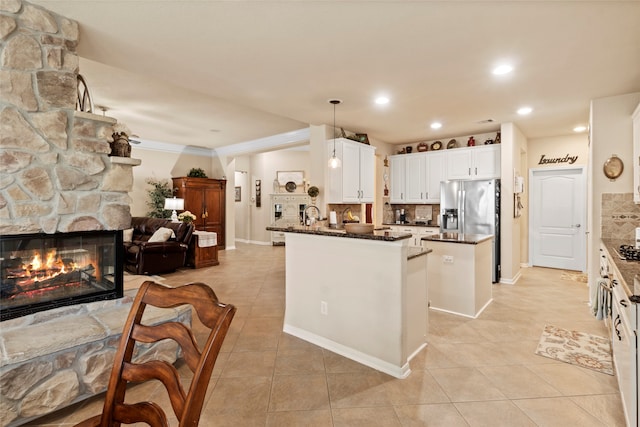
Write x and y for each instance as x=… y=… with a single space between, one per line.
x=200 y=359
x=176 y=331
x=141 y=412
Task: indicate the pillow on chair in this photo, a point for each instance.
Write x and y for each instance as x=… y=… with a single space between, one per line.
x=162 y=234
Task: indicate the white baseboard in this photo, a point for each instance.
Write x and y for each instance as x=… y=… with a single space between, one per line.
x=511 y=281
x=462 y=314
x=365 y=359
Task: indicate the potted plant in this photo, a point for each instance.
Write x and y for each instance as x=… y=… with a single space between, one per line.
x=197 y=173
x=160 y=190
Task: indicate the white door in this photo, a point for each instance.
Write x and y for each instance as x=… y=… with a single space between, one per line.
x=558 y=217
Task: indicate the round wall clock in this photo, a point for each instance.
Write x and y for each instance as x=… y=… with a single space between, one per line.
x=613 y=167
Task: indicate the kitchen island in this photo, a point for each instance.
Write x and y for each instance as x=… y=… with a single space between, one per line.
x=460 y=272
x=363 y=296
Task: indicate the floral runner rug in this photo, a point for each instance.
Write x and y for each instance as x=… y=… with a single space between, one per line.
x=577 y=348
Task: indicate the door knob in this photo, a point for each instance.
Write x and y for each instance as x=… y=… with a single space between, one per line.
x=577 y=226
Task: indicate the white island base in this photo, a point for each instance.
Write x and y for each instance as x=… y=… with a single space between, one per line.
x=362 y=299
x=460 y=274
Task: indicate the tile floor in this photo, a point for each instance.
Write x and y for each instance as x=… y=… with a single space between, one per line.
x=474 y=372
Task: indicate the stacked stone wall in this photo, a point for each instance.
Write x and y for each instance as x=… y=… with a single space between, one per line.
x=55 y=171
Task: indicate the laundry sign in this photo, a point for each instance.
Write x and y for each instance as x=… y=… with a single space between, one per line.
x=544 y=160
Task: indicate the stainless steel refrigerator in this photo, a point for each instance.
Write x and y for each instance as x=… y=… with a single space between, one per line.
x=472 y=207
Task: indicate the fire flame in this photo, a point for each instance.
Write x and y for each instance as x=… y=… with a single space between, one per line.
x=52 y=267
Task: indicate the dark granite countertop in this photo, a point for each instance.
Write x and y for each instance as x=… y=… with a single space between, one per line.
x=412 y=224
x=469 y=239
x=627 y=269
x=382 y=234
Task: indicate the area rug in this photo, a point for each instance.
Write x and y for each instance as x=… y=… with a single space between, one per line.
x=578 y=348
x=575 y=276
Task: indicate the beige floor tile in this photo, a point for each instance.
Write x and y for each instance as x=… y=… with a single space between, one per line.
x=571 y=380
x=518 y=382
x=348 y=390
x=365 y=417
x=303 y=361
x=492 y=414
x=434 y=415
x=419 y=387
x=239 y=396
x=466 y=384
x=232 y=420
x=335 y=363
x=605 y=407
x=250 y=364
x=556 y=412
x=299 y=393
x=300 y=418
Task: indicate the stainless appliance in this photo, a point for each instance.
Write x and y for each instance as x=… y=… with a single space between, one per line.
x=472 y=207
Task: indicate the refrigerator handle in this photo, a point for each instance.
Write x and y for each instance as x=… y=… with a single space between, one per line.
x=461 y=201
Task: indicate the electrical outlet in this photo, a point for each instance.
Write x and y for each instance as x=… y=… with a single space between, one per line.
x=447 y=259
x=324 y=308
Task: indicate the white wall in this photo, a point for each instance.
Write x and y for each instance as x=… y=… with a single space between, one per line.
x=162 y=165
x=559 y=147
x=264 y=167
x=611 y=133
x=514 y=145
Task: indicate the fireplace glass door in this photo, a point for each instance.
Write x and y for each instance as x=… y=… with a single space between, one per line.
x=45 y=271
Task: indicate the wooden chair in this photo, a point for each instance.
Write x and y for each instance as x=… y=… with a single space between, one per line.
x=186 y=406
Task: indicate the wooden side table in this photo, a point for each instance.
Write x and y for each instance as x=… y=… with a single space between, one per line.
x=199 y=256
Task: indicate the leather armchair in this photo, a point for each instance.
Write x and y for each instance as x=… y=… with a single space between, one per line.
x=144 y=257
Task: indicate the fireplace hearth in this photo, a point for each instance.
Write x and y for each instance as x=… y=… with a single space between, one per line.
x=43 y=271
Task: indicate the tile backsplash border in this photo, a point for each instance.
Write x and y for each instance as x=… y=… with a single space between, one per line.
x=619 y=216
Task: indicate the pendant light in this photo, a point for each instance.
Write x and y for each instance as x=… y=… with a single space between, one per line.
x=334 y=162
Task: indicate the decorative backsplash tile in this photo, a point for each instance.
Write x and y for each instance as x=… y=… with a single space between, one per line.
x=620 y=216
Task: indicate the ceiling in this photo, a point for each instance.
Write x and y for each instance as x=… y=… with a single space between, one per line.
x=215 y=73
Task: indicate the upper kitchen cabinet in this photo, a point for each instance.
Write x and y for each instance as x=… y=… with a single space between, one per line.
x=354 y=181
x=397 y=164
x=474 y=162
x=636 y=155
x=423 y=173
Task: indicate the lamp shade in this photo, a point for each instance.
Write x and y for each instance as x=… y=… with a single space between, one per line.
x=172 y=204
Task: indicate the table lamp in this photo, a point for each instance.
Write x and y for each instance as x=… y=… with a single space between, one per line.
x=173 y=204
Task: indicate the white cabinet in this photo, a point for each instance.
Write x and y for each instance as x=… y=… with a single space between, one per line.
x=397 y=164
x=415 y=178
x=286 y=210
x=474 y=162
x=354 y=181
x=436 y=173
x=417 y=233
x=420 y=183
x=636 y=155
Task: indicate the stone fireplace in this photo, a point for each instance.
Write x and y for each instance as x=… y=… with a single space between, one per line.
x=57 y=181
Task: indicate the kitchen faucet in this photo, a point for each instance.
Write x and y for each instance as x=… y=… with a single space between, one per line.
x=311 y=219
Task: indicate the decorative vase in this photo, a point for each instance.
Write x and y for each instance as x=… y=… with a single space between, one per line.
x=471 y=142
x=120 y=146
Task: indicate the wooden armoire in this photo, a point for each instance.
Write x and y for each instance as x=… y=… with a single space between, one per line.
x=205 y=198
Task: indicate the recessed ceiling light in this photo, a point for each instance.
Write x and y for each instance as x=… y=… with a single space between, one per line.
x=502 y=69
x=436 y=125
x=524 y=111
x=381 y=100
x=579 y=128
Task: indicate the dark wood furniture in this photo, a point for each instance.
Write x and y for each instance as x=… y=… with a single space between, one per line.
x=185 y=394
x=198 y=257
x=205 y=198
